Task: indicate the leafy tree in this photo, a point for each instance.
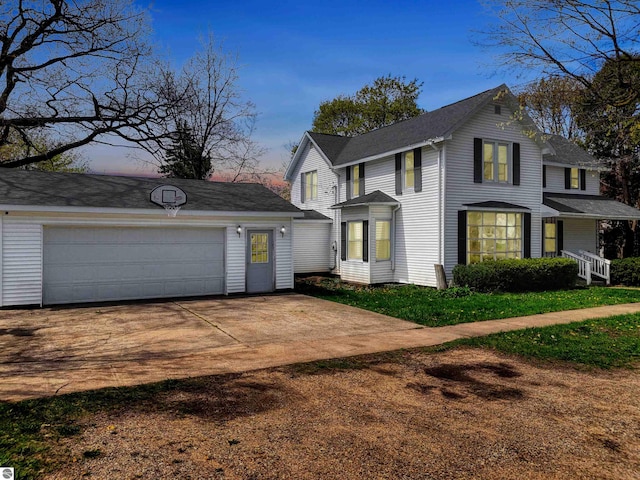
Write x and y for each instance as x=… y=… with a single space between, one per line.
x=75 y=67
x=388 y=100
x=185 y=158
x=15 y=149
x=609 y=114
x=551 y=103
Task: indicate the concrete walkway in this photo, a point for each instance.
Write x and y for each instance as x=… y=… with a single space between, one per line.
x=67 y=374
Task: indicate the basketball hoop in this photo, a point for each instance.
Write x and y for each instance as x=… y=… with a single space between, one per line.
x=172 y=210
x=170 y=197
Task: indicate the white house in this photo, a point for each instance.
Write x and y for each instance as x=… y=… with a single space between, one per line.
x=68 y=238
x=470 y=181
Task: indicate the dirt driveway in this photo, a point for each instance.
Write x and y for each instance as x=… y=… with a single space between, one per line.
x=60 y=350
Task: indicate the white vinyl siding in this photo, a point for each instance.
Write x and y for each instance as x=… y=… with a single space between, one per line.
x=311 y=159
x=555 y=182
x=284 y=257
x=461 y=189
x=580 y=234
x=21 y=264
x=355 y=270
x=380 y=270
x=236 y=262
x=311 y=246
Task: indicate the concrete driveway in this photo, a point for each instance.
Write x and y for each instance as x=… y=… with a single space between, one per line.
x=53 y=351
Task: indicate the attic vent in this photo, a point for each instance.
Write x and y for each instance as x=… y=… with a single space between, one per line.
x=497 y=110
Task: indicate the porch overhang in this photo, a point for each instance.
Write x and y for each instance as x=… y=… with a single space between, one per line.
x=593 y=207
x=374 y=198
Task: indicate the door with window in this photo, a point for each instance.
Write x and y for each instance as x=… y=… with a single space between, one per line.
x=260 y=262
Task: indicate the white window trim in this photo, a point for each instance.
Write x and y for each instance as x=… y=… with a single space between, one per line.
x=496 y=143
x=545 y=253
x=354 y=182
x=577 y=187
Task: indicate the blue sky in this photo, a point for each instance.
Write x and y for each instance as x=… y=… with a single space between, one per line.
x=296 y=54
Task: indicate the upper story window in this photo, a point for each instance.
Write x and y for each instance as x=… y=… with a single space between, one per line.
x=496 y=161
x=355 y=181
x=409 y=171
x=575 y=178
x=309 y=185
x=495 y=157
x=409 y=174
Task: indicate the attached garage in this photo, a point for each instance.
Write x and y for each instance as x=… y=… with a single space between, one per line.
x=84 y=264
x=100 y=238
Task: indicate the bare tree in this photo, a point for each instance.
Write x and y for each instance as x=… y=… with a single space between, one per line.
x=569 y=38
x=205 y=99
x=75 y=69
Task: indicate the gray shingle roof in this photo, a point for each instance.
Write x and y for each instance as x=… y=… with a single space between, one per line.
x=20 y=187
x=371 y=198
x=428 y=126
x=496 y=204
x=590 y=206
x=569 y=153
x=313 y=215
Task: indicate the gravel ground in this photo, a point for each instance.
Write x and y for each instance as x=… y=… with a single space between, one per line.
x=467 y=413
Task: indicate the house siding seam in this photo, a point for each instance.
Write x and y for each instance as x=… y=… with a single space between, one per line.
x=461 y=188
x=21 y=263
x=555 y=182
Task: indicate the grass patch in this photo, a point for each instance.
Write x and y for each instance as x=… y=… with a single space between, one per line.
x=612 y=342
x=433 y=308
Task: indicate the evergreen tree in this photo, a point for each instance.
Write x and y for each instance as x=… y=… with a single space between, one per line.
x=184 y=158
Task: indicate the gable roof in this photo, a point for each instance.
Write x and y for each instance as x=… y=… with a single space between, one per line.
x=430 y=126
x=375 y=197
x=46 y=189
x=568 y=153
x=589 y=206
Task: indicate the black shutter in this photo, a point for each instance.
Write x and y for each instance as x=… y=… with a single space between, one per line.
x=527 y=235
x=361 y=180
x=462 y=237
x=343 y=240
x=365 y=241
x=567 y=179
x=516 y=164
x=302 y=187
x=398 y=174
x=559 y=237
x=544 y=176
x=477 y=160
x=417 y=170
x=583 y=179
x=348 y=183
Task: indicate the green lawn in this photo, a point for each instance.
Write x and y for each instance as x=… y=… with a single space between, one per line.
x=433 y=308
x=603 y=342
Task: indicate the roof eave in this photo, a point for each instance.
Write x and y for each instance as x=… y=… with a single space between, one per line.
x=425 y=143
x=364 y=204
x=595 y=168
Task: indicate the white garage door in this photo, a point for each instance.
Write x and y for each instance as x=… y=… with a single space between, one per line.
x=102 y=264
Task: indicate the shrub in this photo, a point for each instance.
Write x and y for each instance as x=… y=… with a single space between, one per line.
x=626 y=271
x=514 y=275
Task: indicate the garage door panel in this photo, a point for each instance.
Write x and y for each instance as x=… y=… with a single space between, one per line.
x=102 y=264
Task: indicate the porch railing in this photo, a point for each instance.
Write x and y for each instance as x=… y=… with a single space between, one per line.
x=584 y=265
x=599 y=266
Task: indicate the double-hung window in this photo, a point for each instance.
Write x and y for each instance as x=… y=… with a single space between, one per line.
x=495 y=158
x=575 y=178
x=383 y=240
x=550 y=238
x=355 y=181
x=409 y=172
x=309 y=186
x=354 y=241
